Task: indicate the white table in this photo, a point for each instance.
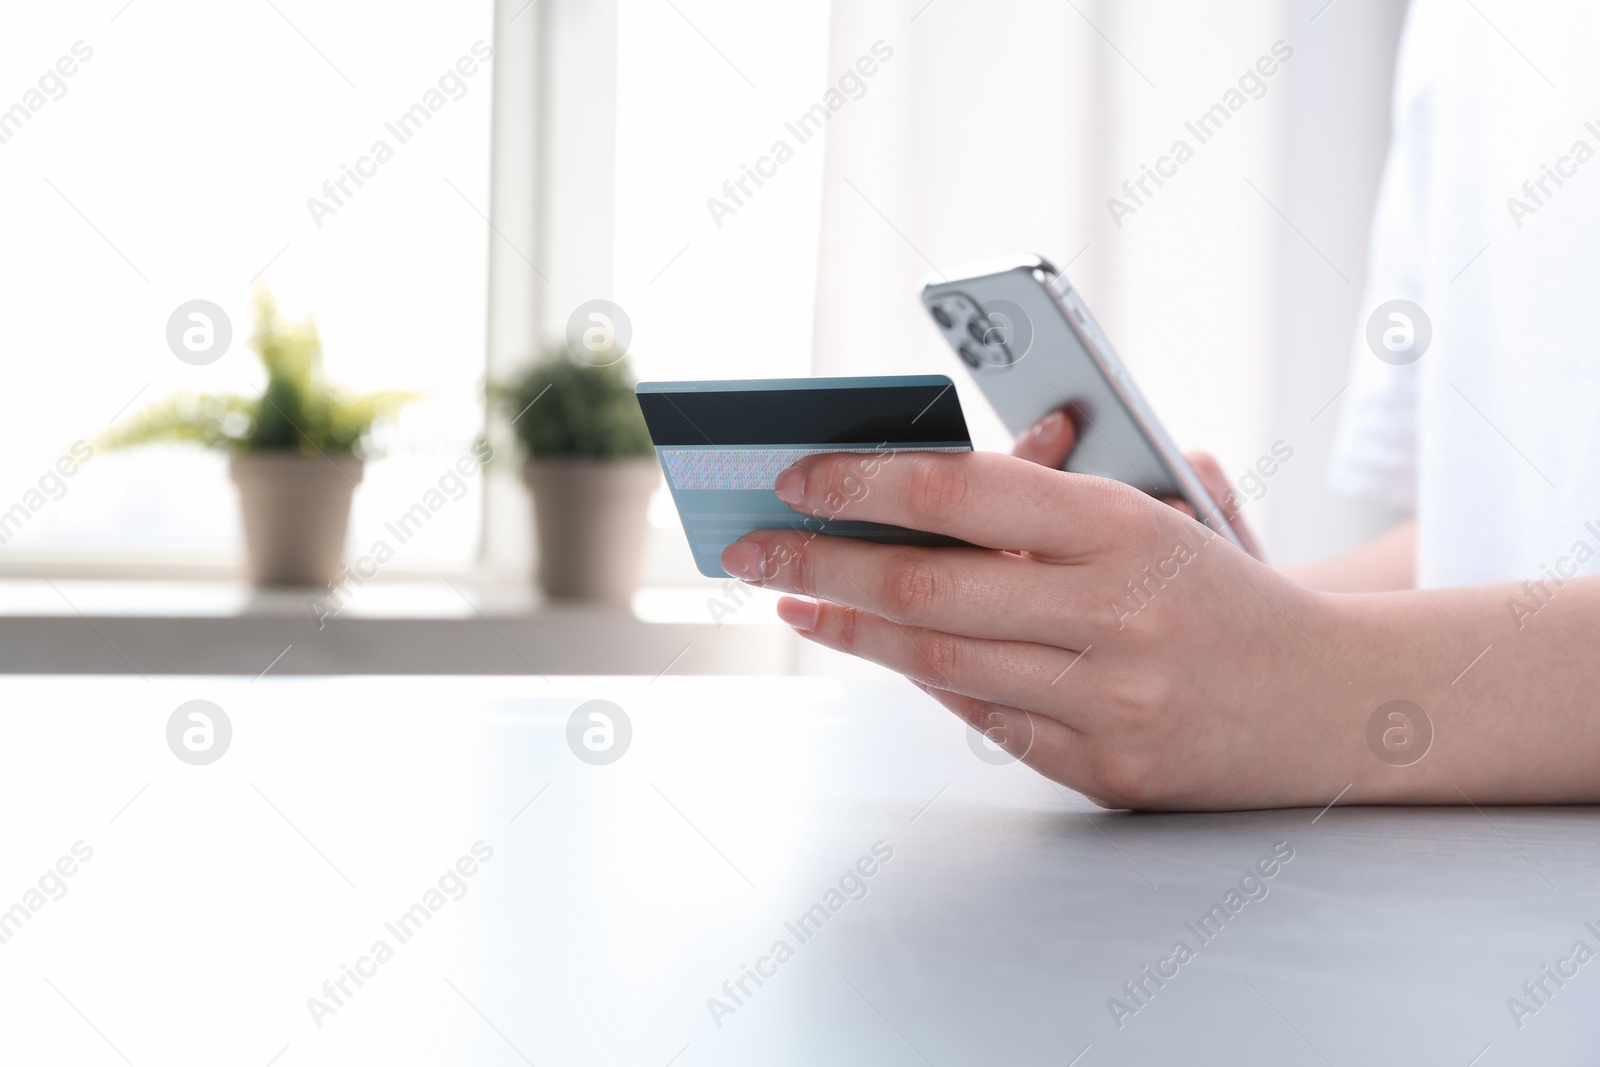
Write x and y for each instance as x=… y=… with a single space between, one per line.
x=619 y=898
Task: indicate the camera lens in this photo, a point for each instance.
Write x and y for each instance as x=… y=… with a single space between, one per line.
x=970 y=356
x=979 y=328
x=940 y=315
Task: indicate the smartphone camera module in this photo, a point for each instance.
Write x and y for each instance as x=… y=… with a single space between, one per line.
x=991 y=337
x=1008 y=330
x=982 y=339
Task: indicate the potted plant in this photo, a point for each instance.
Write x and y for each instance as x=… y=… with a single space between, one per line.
x=590 y=467
x=296 y=451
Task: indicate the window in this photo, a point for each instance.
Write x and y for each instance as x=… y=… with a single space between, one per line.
x=192 y=150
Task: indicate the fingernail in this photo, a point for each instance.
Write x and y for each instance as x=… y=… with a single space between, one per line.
x=744 y=560
x=791 y=485
x=1049 y=428
x=801 y=614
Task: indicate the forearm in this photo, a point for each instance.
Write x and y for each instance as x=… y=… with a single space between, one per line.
x=1382 y=565
x=1512 y=694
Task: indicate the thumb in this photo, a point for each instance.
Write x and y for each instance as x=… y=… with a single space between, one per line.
x=1048 y=441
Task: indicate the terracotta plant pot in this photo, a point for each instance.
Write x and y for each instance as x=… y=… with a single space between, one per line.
x=296 y=512
x=590 y=518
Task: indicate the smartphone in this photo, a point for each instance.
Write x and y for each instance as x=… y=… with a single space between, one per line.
x=1029 y=341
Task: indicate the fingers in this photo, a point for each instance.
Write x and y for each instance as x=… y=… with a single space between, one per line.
x=1210 y=474
x=980 y=497
x=1048 y=441
x=974 y=592
x=1007 y=672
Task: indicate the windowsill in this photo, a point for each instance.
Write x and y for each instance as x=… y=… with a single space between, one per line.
x=205 y=627
x=454 y=599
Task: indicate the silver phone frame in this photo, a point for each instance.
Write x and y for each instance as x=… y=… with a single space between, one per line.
x=1108 y=364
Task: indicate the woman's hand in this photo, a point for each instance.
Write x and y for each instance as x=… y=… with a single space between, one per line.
x=1106 y=639
x=1116 y=645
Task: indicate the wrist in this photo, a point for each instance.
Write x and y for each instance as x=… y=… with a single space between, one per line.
x=1370 y=691
x=1359 y=690
x=1451 y=702
x=1387 y=717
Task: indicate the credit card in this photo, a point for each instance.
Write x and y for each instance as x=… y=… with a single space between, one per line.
x=722 y=445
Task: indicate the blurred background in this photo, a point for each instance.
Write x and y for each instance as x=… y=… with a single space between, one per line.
x=568 y=152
